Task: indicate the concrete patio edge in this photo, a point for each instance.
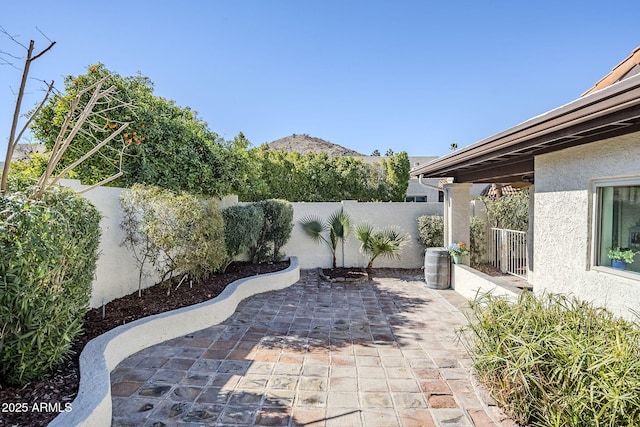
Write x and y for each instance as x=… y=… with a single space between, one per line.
x=92 y=406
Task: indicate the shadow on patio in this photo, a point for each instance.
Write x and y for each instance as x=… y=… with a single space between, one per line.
x=316 y=353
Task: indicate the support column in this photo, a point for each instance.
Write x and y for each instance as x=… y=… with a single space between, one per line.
x=531 y=234
x=457 y=213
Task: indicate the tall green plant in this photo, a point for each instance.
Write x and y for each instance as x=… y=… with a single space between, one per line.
x=275 y=232
x=338 y=225
x=242 y=227
x=387 y=242
x=48 y=255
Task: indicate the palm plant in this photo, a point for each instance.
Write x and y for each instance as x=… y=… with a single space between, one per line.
x=338 y=225
x=386 y=242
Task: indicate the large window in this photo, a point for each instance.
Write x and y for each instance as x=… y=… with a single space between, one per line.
x=619 y=221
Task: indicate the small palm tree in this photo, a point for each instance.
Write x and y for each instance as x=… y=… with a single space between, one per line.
x=387 y=242
x=338 y=225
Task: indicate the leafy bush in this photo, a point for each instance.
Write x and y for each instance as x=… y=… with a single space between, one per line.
x=25 y=173
x=276 y=230
x=176 y=233
x=242 y=226
x=315 y=177
x=431 y=230
x=48 y=255
x=477 y=240
x=510 y=212
x=557 y=361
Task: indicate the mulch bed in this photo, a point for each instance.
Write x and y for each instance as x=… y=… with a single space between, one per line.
x=38 y=403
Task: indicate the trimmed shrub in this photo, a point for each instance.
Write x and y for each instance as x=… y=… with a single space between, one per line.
x=176 y=233
x=276 y=230
x=242 y=226
x=431 y=230
x=556 y=361
x=48 y=255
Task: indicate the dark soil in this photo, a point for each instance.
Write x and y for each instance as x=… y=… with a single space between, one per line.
x=61 y=387
x=345 y=273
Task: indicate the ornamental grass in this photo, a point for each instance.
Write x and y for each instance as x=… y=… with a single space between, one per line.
x=553 y=360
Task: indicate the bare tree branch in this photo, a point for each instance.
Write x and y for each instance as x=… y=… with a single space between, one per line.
x=13 y=141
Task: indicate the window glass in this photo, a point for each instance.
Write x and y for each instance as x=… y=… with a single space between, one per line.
x=619 y=223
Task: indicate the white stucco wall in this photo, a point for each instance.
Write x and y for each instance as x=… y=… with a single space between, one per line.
x=402 y=215
x=563 y=223
x=117 y=272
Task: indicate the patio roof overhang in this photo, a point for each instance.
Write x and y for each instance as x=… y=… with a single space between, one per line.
x=508 y=157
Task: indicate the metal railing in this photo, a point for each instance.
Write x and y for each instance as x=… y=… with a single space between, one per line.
x=508 y=251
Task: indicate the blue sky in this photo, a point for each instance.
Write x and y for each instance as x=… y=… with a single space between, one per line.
x=406 y=75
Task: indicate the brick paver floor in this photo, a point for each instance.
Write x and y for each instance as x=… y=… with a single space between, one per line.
x=383 y=353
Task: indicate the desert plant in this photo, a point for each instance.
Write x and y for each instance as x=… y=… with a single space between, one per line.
x=242 y=226
x=48 y=255
x=556 y=361
x=387 y=242
x=338 y=225
x=275 y=232
x=431 y=230
x=176 y=233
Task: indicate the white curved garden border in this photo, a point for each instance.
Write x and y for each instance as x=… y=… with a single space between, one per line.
x=92 y=406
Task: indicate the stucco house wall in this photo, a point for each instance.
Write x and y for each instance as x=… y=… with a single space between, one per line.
x=564 y=227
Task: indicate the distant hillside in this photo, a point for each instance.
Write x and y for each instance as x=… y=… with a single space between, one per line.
x=303 y=143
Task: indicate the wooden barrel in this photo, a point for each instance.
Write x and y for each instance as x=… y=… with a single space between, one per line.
x=436 y=268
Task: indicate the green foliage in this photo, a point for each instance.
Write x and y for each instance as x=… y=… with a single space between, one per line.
x=431 y=230
x=176 y=233
x=275 y=232
x=314 y=177
x=166 y=145
x=242 y=226
x=510 y=212
x=477 y=240
x=397 y=169
x=25 y=173
x=387 y=242
x=338 y=225
x=557 y=361
x=621 y=254
x=48 y=255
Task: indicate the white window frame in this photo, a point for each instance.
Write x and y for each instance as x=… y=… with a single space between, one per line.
x=595 y=186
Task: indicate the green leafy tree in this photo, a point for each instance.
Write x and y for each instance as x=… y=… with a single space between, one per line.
x=375 y=152
x=338 y=225
x=166 y=145
x=316 y=177
x=275 y=231
x=510 y=211
x=397 y=168
x=242 y=227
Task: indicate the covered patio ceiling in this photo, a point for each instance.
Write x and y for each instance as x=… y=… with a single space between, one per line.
x=508 y=157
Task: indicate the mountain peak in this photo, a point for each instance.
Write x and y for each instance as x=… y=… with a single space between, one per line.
x=303 y=143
